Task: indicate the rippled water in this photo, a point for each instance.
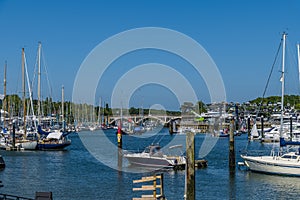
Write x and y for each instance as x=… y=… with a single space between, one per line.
x=76 y=174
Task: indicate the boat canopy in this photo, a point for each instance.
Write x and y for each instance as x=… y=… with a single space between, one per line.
x=54 y=135
x=40 y=131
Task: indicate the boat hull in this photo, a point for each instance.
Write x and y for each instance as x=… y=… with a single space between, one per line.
x=269 y=165
x=29 y=145
x=155 y=162
x=53 y=146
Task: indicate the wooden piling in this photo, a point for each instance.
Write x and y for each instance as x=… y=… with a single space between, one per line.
x=14 y=137
x=190 y=166
x=249 y=128
x=262 y=126
x=119 y=136
x=120 y=153
x=291 y=128
x=231 y=148
x=236 y=117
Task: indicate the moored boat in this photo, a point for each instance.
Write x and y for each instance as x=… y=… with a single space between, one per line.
x=54 y=141
x=287 y=164
x=152 y=156
x=280 y=164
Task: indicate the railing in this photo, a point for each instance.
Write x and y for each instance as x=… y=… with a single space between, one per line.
x=12 y=197
x=157 y=183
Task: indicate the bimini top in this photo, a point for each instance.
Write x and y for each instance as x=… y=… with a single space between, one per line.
x=55 y=135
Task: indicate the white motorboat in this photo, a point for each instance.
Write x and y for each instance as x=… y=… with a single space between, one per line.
x=286 y=164
x=152 y=156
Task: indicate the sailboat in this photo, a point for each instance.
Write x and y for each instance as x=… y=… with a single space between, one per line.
x=279 y=164
x=24 y=143
x=57 y=139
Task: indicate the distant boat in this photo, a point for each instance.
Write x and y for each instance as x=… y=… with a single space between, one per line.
x=27 y=144
x=54 y=141
x=152 y=156
x=223 y=133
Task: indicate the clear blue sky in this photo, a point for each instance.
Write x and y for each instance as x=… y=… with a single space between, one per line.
x=241 y=36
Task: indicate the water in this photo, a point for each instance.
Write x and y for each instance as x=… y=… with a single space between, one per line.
x=75 y=174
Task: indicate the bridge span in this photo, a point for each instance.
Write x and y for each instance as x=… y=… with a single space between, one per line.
x=164 y=119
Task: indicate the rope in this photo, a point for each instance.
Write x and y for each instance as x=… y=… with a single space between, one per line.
x=267 y=84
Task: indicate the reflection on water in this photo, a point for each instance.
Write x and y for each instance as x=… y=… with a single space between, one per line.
x=76 y=174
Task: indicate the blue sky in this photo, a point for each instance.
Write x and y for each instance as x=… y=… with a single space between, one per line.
x=241 y=37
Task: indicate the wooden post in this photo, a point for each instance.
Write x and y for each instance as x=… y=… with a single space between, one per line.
x=248 y=127
x=120 y=155
x=171 y=127
x=162 y=193
x=154 y=186
x=14 y=136
x=237 y=117
x=231 y=148
x=262 y=126
x=119 y=136
x=190 y=166
x=291 y=128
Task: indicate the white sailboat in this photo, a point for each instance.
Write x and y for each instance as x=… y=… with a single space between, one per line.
x=280 y=164
x=26 y=144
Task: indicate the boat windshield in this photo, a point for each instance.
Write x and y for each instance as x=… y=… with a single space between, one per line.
x=147 y=150
x=289 y=157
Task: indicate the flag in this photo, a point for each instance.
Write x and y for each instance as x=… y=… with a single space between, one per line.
x=281 y=78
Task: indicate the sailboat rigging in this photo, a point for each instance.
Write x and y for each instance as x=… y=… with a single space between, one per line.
x=280 y=164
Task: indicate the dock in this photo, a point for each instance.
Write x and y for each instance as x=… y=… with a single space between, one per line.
x=199 y=164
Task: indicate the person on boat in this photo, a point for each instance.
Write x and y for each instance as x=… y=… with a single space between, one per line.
x=226 y=130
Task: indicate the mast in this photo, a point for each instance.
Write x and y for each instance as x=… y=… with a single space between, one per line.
x=39 y=83
x=99 y=113
x=23 y=90
x=62 y=107
x=4 y=93
x=298 y=54
x=282 y=84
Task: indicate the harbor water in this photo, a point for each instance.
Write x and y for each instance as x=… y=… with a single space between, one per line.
x=76 y=173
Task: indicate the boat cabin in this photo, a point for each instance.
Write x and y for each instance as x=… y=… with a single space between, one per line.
x=154 y=150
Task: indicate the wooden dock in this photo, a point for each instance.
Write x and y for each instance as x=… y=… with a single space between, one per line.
x=157 y=184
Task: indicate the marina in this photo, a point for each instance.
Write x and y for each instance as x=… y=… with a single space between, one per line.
x=149 y=100
x=74 y=173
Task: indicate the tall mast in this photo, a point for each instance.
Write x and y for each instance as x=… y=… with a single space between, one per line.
x=282 y=83
x=298 y=54
x=99 y=113
x=39 y=83
x=62 y=107
x=4 y=93
x=4 y=86
x=23 y=90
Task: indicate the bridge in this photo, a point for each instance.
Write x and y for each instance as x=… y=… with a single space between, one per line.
x=164 y=119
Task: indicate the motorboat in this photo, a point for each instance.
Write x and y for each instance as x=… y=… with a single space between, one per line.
x=286 y=164
x=153 y=156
